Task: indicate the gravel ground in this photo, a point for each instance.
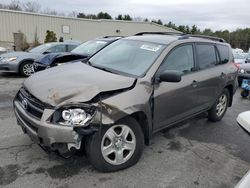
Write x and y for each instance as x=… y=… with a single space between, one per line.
x=195 y=153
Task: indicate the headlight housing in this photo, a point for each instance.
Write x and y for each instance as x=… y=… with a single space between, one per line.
x=8 y=59
x=74 y=116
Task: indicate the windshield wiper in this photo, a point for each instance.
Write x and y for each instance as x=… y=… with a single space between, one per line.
x=101 y=68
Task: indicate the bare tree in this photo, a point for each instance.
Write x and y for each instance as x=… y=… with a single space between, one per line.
x=49 y=11
x=138 y=19
x=61 y=14
x=14 y=5
x=31 y=6
x=73 y=14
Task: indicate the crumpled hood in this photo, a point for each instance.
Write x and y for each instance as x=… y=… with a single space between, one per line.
x=73 y=83
x=50 y=58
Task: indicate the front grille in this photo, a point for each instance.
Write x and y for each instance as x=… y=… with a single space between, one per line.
x=30 y=104
x=26 y=122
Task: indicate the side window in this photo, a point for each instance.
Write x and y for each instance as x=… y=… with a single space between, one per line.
x=224 y=53
x=206 y=55
x=58 y=48
x=70 y=48
x=180 y=59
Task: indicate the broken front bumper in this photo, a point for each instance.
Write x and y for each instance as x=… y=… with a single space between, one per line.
x=47 y=134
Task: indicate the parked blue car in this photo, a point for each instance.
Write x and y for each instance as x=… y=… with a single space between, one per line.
x=82 y=52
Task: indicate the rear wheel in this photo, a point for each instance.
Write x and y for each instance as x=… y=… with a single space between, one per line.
x=219 y=109
x=26 y=68
x=116 y=147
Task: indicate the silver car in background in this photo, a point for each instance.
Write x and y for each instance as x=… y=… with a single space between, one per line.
x=21 y=62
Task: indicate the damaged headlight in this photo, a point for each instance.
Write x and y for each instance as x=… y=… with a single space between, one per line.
x=74 y=116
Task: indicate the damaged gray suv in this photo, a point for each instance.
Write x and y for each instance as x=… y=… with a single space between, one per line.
x=111 y=105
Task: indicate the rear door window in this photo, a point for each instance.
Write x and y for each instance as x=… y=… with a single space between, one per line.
x=206 y=56
x=224 y=53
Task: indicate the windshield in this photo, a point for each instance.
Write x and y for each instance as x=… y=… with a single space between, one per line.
x=41 y=48
x=240 y=55
x=130 y=57
x=90 y=47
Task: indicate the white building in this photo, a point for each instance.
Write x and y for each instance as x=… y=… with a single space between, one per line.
x=68 y=28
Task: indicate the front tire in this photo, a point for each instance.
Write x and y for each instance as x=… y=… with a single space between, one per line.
x=26 y=68
x=117 y=146
x=219 y=109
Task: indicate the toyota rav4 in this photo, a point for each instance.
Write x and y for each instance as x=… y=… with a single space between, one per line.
x=111 y=105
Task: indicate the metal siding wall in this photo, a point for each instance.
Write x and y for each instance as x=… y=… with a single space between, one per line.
x=80 y=29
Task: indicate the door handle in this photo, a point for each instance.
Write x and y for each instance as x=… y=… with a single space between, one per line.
x=194 y=84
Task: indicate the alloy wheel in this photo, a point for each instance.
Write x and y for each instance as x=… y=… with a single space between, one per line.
x=118 y=144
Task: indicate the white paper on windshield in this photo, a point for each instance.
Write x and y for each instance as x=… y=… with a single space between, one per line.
x=153 y=48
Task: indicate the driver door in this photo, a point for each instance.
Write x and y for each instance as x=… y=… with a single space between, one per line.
x=175 y=101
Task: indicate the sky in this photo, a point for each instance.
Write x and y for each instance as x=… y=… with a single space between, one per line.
x=214 y=14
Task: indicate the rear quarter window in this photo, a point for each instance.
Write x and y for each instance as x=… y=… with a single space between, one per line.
x=224 y=54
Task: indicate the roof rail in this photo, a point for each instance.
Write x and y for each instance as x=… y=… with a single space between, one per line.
x=182 y=35
x=158 y=33
x=204 y=37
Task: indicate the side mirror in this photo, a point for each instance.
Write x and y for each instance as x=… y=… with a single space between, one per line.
x=170 y=76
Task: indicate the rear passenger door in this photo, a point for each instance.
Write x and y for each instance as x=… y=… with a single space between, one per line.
x=210 y=78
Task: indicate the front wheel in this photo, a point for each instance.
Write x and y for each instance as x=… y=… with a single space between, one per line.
x=219 y=109
x=116 y=147
x=26 y=68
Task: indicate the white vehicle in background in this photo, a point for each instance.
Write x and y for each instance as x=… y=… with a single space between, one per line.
x=237 y=50
x=243 y=120
x=240 y=58
x=3 y=50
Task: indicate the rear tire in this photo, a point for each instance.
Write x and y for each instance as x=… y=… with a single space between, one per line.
x=244 y=93
x=219 y=109
x=117 y=146
x=26 y=68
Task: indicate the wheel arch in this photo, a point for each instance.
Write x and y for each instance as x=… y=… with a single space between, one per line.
x=143 y=121
x=230 y=88
x=24 y=61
